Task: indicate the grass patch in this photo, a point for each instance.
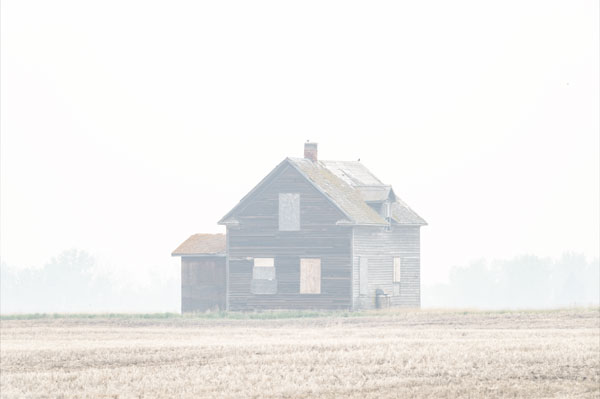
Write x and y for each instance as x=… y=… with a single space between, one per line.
x=36 y=316
x=273 y=314
x=257 y=315
x=283 y=314
x=264 y=315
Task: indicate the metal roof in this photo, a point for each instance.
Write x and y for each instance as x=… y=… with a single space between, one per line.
x=352 y=172
x=202 y=244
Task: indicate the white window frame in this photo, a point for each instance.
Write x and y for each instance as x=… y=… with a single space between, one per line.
x=363 y=276
x=396 y=274
x=397 y=270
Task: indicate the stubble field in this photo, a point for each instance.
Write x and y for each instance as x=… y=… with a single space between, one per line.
x=417 y=354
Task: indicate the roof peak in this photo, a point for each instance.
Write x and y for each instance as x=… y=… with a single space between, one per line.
x=321 y=160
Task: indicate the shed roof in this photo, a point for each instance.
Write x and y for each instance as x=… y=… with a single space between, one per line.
x=202 y=244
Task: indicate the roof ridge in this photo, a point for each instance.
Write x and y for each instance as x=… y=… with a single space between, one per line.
x=340 y=192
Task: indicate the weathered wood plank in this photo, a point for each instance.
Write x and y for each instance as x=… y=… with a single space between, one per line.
x=202 y=283
x=258 y=236
x=381 y=246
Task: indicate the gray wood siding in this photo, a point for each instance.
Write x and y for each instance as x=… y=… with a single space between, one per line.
x=258 y=236
x=202 y=283
x=380 y=247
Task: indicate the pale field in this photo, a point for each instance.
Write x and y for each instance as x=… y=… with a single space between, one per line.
x=399 y=354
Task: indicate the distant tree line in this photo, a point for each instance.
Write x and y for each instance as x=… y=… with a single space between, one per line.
x=72 y=282
x=523 y=282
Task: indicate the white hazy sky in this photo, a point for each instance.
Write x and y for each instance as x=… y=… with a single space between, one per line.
x=127 y=126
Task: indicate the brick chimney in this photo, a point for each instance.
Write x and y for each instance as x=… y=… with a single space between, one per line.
x=310 y=151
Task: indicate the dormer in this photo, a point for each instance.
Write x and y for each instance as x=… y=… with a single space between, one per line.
x=379 y=198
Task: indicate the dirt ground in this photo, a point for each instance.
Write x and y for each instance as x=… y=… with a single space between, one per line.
x=418 y=354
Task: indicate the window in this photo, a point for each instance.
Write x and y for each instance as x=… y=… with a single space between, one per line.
x=363 y=276
x=264 y=269
x=397 y=275
x=310 y=276
x=387 y=214
x=263 y=276
x=387 y=207
x=289 y=211
x=397 y=263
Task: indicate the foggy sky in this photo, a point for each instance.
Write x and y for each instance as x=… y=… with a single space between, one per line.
x=128 y=126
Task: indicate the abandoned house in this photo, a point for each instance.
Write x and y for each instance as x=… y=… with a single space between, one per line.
x=312 y=234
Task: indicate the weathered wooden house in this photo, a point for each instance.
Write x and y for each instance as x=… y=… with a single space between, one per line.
x=311 y=235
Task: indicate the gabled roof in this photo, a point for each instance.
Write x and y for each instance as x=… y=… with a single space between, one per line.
x=338 y=191
x=368 y=187
x=349 y=185
x=202 y=244
x=228 y=218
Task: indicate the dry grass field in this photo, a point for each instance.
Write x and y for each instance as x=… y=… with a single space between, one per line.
x=395 y=354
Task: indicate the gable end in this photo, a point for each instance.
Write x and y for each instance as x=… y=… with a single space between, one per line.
x=266 y=181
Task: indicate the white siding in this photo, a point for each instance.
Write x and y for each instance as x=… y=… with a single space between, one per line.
x=380 y=247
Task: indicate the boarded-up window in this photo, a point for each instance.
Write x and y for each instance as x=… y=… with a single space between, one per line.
x=310 y=276
x=263 y=276
x=397 y=275
x=289 y=211
x=363 y=276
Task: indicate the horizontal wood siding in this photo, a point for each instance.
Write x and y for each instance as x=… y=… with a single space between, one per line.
x=202 y=283
x=258 y=236
x=380 y=247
